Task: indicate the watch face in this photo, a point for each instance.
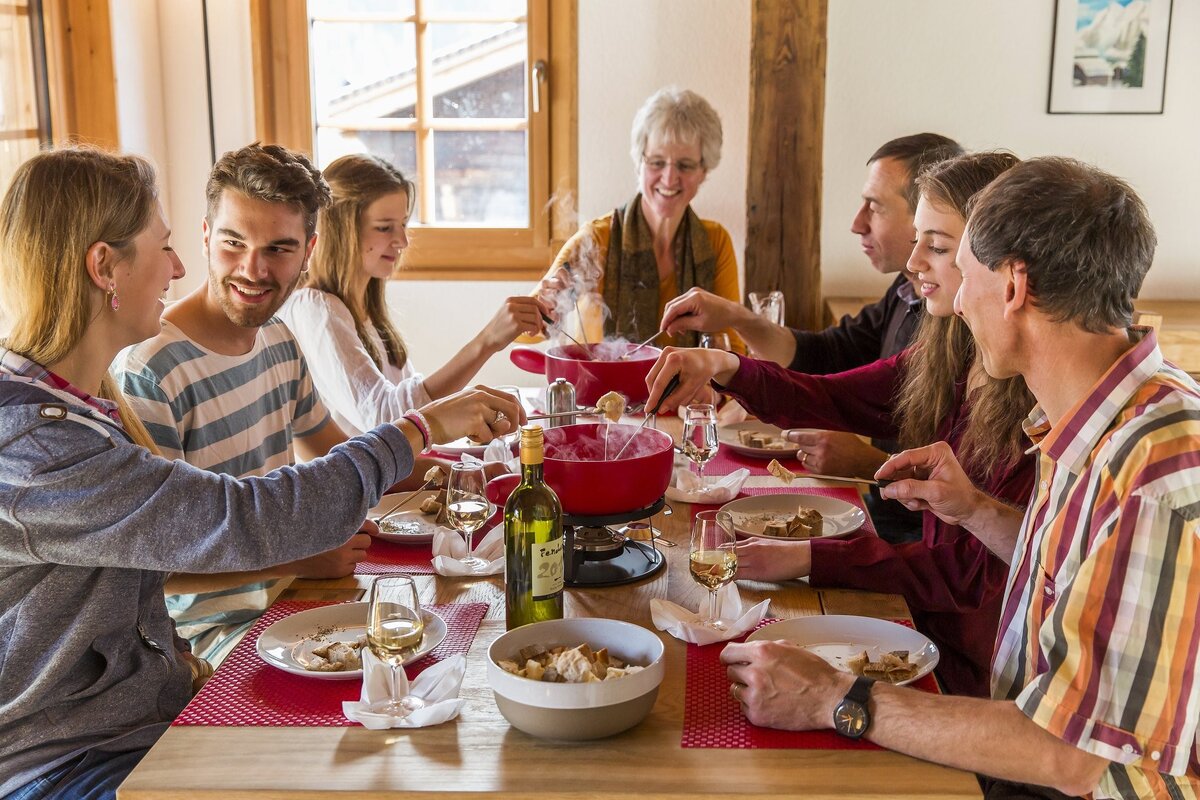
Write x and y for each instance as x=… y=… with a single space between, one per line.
x=850 y=719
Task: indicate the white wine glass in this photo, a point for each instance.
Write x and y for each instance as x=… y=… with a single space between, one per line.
x=715 y=341
x=395 y=629
x=467 y=506
x=700 y=435
x=712 y=559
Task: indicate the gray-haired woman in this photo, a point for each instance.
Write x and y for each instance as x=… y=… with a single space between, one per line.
x=654 y=248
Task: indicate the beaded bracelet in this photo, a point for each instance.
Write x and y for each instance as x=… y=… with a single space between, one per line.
x=422 y=425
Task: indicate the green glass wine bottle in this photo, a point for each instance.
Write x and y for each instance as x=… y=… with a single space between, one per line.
x=533 y=542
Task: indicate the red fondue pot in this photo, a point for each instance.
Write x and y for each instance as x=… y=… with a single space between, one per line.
x=591 y=376
x=593 y=486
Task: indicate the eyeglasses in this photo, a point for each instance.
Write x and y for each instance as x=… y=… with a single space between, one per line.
x=684 y=166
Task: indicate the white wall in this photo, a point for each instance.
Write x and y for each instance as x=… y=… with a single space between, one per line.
x=954 y=66
x=979 y=72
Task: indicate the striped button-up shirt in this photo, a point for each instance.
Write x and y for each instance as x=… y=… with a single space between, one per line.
x=1100 y=633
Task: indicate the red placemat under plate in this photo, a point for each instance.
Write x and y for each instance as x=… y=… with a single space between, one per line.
x=384 y=557
x=245 y=691
x=713 y=719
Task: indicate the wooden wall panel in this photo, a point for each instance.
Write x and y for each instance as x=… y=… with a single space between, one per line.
x=83 y=93
x=783 y=191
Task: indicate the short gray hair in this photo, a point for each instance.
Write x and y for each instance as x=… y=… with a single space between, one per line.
x=678 y=115
x=1084 y=235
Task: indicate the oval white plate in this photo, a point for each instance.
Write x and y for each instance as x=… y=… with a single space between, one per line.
x=839 y=517
x=410 y=525
x=837 y=638
x=727 y=435
x=287 y=644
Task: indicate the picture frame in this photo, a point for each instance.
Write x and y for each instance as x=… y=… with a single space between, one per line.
x=1109 y=56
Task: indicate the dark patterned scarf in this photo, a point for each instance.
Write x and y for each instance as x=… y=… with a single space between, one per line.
x=631 y=274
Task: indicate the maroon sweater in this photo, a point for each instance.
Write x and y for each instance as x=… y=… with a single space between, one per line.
x=952 y=583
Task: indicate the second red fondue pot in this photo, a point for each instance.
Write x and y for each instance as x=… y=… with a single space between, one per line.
x=591 y=376
x=595 y=487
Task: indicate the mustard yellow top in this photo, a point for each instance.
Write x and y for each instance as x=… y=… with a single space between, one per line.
x=587 y=250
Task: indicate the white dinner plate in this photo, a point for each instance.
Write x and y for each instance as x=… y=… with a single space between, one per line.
x=838 y=638
x=288 y=643
x=727 y=435
x=408 y=525
x=751 y=514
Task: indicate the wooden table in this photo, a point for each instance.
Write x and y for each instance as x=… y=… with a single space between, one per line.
x=479 y=753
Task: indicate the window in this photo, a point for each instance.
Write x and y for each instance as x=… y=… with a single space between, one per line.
x=24 y=112
x=473 y=99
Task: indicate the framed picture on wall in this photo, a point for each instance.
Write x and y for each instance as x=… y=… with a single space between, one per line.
x=1110 y=56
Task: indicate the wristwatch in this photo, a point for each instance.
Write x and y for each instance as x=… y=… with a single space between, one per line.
x=851 y=717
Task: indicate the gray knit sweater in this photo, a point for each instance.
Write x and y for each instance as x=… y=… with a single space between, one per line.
x=90 y=525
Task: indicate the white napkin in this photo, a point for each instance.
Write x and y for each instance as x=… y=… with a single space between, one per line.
x=686 y=488
x=449 y=547
x=498 y=451
x=686 y=625
x=437 y=686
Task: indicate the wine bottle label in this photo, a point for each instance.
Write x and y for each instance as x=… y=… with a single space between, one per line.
x=547 y=558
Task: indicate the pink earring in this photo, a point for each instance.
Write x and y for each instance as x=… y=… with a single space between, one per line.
x=113 y=301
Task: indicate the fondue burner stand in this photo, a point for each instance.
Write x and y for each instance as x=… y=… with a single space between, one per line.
x=596 y=554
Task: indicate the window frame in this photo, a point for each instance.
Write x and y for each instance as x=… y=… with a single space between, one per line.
x=283 y=114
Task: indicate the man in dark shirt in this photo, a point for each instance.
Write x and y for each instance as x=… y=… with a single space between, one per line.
x=884 y=225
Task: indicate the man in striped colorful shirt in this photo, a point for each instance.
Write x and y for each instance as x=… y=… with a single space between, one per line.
x=225 y=386
x=1095 y=679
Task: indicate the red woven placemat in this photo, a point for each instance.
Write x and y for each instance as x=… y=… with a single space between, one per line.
x=245 y=691
x=384 y=557
x=713 y=719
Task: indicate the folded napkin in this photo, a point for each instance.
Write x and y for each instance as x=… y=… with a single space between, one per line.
x=731 y=412
x=685 y=486
x=437 y=686
x=449 y=548
x=686 y=625
x=498 y=451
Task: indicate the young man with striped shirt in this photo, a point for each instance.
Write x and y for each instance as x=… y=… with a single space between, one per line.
x=1095 y=678
x=225 y=386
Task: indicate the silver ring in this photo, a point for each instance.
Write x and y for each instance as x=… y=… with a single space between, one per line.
x=499 y=416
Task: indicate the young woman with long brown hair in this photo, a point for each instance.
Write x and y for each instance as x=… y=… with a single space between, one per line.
x=359 y=362
x=934 y=390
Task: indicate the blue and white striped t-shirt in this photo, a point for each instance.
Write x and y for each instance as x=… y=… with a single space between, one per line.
x=237 y=415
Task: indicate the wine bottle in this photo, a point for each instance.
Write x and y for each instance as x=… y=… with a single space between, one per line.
x=533 y=542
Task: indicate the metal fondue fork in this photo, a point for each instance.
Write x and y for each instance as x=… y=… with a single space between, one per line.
x=672 y=385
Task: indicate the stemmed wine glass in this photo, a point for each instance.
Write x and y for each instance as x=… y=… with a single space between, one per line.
x=467 y=506
x=395 y=628
x=700 y=435
x=713 y=561
x=714 y=341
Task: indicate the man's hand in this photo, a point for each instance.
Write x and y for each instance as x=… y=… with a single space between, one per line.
x=765 y=560
x=835 y=452
x=695 y=368
x=931 y=479
x=336 y=563
x=700 y=310
x=480 y=413
x=782 y=685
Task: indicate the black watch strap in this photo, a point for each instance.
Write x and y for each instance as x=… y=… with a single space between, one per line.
x=860 y=692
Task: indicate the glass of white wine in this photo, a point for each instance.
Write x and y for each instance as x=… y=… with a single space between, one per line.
x=712 y=558
x=395 y=628
x=700 y=435
x=718 y=340
x=467 y=506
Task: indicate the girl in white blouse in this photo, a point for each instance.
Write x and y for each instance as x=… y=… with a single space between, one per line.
x=358 y=359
